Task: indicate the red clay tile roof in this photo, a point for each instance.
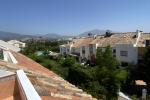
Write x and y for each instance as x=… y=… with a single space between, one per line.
x=48 y=84
x=82 y=42
x=123 y=38
x=31 y=65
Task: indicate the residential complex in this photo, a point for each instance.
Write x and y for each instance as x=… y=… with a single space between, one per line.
x=126 y=47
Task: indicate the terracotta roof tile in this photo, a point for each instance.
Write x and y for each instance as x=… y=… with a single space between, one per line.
x=82 y=42
x=48 y=84
x=31 y=65
x=124 y=38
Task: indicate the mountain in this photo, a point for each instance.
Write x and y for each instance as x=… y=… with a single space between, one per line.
x=52 y=36
x=55 y=36
x=10 y=36
x=95 y=31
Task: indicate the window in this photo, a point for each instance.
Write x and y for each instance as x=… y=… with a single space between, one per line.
x=124 y=53
x=147 y=42
x=114 y=50
x=68 y=50
x=91 y=48
x=83 y=49
x=124 y=64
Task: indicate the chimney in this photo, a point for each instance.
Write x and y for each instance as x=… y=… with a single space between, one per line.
x=108 y=33
x=138 y=35
x=89 y=34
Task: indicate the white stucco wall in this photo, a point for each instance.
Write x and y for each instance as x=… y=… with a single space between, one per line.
x=7 y=46
x=68 y=50
x=132 y=53
x=62 y=49
x=87 y=54
x=76 y=50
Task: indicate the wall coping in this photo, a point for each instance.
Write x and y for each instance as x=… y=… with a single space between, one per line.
x=26 y=86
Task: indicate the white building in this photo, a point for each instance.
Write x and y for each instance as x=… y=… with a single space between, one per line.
x=79 y=47
x=126 y=47
x=127 y=53
x=6 y=46
x=17 y=43
x=65 y=49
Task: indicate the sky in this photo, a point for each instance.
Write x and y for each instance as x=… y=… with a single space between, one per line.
x=70 y=17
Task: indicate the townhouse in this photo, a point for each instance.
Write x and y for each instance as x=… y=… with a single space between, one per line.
x=126 y=47
x=79 y=47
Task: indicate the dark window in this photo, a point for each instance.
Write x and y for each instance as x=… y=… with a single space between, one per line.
x=124 y=64
x=91 y=48
x=147 y=42
x=68 y=50
x=114 y=50
x=124 y=53
x=83 y=49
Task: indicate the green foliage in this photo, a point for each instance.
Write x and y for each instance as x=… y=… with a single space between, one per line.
x=32 y=46
x=122 y=75
x=106 y=72
x=68 y=62
x=79 y=75
x=1 y=55
x=146 y=65
x=102 y=81
x=99 y=57
x=134 y=97
x=62 y=71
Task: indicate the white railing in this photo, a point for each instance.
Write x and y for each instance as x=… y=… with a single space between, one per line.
x=26 y=88
x=8 y=56
x=122 y=96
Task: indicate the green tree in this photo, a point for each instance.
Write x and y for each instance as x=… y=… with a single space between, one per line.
x=99 y=57
x=147 y=65
x=106 y=73
x=68 y=62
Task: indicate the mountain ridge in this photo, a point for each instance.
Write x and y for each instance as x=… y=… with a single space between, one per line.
x=11 y=35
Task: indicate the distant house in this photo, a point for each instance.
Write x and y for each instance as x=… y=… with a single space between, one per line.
x=79 y=47
x=6 y=46
x=17 y=43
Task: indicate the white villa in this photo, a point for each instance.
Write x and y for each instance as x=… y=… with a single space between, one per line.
x=17 y=43
x=126 y=47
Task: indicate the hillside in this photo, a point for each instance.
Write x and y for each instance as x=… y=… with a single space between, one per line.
x=10 y=36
